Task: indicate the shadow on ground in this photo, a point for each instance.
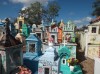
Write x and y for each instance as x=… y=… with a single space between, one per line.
x=86 y=64
x=80 y=55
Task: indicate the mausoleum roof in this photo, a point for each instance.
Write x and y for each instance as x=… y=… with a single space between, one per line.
x=50 y=54
x=32 y=37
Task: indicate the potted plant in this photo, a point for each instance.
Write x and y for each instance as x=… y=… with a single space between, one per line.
x=71 y=63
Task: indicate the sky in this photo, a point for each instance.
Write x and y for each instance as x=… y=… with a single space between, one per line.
x=79 y=11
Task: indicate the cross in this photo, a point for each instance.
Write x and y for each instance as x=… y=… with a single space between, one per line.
x=64 y=40
x=42 y=22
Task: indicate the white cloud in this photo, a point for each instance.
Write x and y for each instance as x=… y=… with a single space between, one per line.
x=88 y=19
x=77 y=21
x=23 y=8
x=28 y=2
x=83 y=20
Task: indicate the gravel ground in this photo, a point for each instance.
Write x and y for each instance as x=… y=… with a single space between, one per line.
x=86 y=63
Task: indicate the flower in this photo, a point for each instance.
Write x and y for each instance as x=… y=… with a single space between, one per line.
x=24 y=70
x=68 y=60
x=21 y=70
x=72 y=61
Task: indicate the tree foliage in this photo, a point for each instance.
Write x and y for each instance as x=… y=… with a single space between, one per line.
x=96 y=7
x=52 y=11
x=37 y=12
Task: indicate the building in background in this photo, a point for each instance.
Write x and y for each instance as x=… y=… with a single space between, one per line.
x=25 y=30
x=20 y=21
x=90 y=39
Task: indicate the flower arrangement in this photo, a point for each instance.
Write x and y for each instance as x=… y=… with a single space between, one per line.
x=72 y=61
x=24 y=70
x=21 y=70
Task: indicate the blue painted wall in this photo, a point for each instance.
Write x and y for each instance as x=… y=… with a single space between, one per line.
x=31 y=58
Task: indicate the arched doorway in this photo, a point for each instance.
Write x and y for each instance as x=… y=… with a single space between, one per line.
x=53 y=36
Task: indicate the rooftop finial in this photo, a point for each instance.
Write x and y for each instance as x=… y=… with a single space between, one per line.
x=52 y=20
x=68 y=23
x=61 y=20
x=42 y=22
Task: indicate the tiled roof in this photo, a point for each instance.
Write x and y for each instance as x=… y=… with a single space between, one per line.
x=38 y=29
x=32 y=37
x=95 y=20
x=53 y=26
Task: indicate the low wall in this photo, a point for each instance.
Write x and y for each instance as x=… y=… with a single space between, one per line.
x=97 y=66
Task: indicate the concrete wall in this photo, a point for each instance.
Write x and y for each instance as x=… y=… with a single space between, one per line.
x=94 y=38
x=97 y=66
x=13 y=58
x=83 y=41
x=10 y=59
x=93 y=51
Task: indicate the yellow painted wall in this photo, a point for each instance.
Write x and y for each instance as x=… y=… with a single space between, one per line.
x=20 y=19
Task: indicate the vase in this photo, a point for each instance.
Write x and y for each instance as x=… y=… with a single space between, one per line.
x=68 y=64
x=71 y=68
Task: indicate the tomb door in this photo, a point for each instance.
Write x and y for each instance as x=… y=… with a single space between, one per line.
x=39 y=35
x=53 y=36
x=46 y=71
x=20 y=23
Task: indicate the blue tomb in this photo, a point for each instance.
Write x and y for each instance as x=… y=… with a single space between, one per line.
x=33 y=52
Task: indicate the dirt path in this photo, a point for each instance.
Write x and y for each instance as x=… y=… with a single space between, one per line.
x=86 y=63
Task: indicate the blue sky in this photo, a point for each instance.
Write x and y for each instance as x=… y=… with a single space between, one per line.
x=79 y=11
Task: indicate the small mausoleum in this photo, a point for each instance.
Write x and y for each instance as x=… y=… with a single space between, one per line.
x=39 y=30
x=25 y=30
x=48 y=62
x=33 y=52
x=64 y=53
x=10 y=51
x=64 y=66
x=71 y=47
x=20 y=21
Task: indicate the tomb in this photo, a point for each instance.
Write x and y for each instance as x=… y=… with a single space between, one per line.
x=48 y=62
x=33 y=52
x=10 y=51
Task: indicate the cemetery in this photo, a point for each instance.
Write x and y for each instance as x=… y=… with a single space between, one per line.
x=43 y=54
x=35 y=41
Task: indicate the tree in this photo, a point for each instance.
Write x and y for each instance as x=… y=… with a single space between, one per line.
x=37 y=12
x=32 y=13
x=51 y=11
x=96 y=7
